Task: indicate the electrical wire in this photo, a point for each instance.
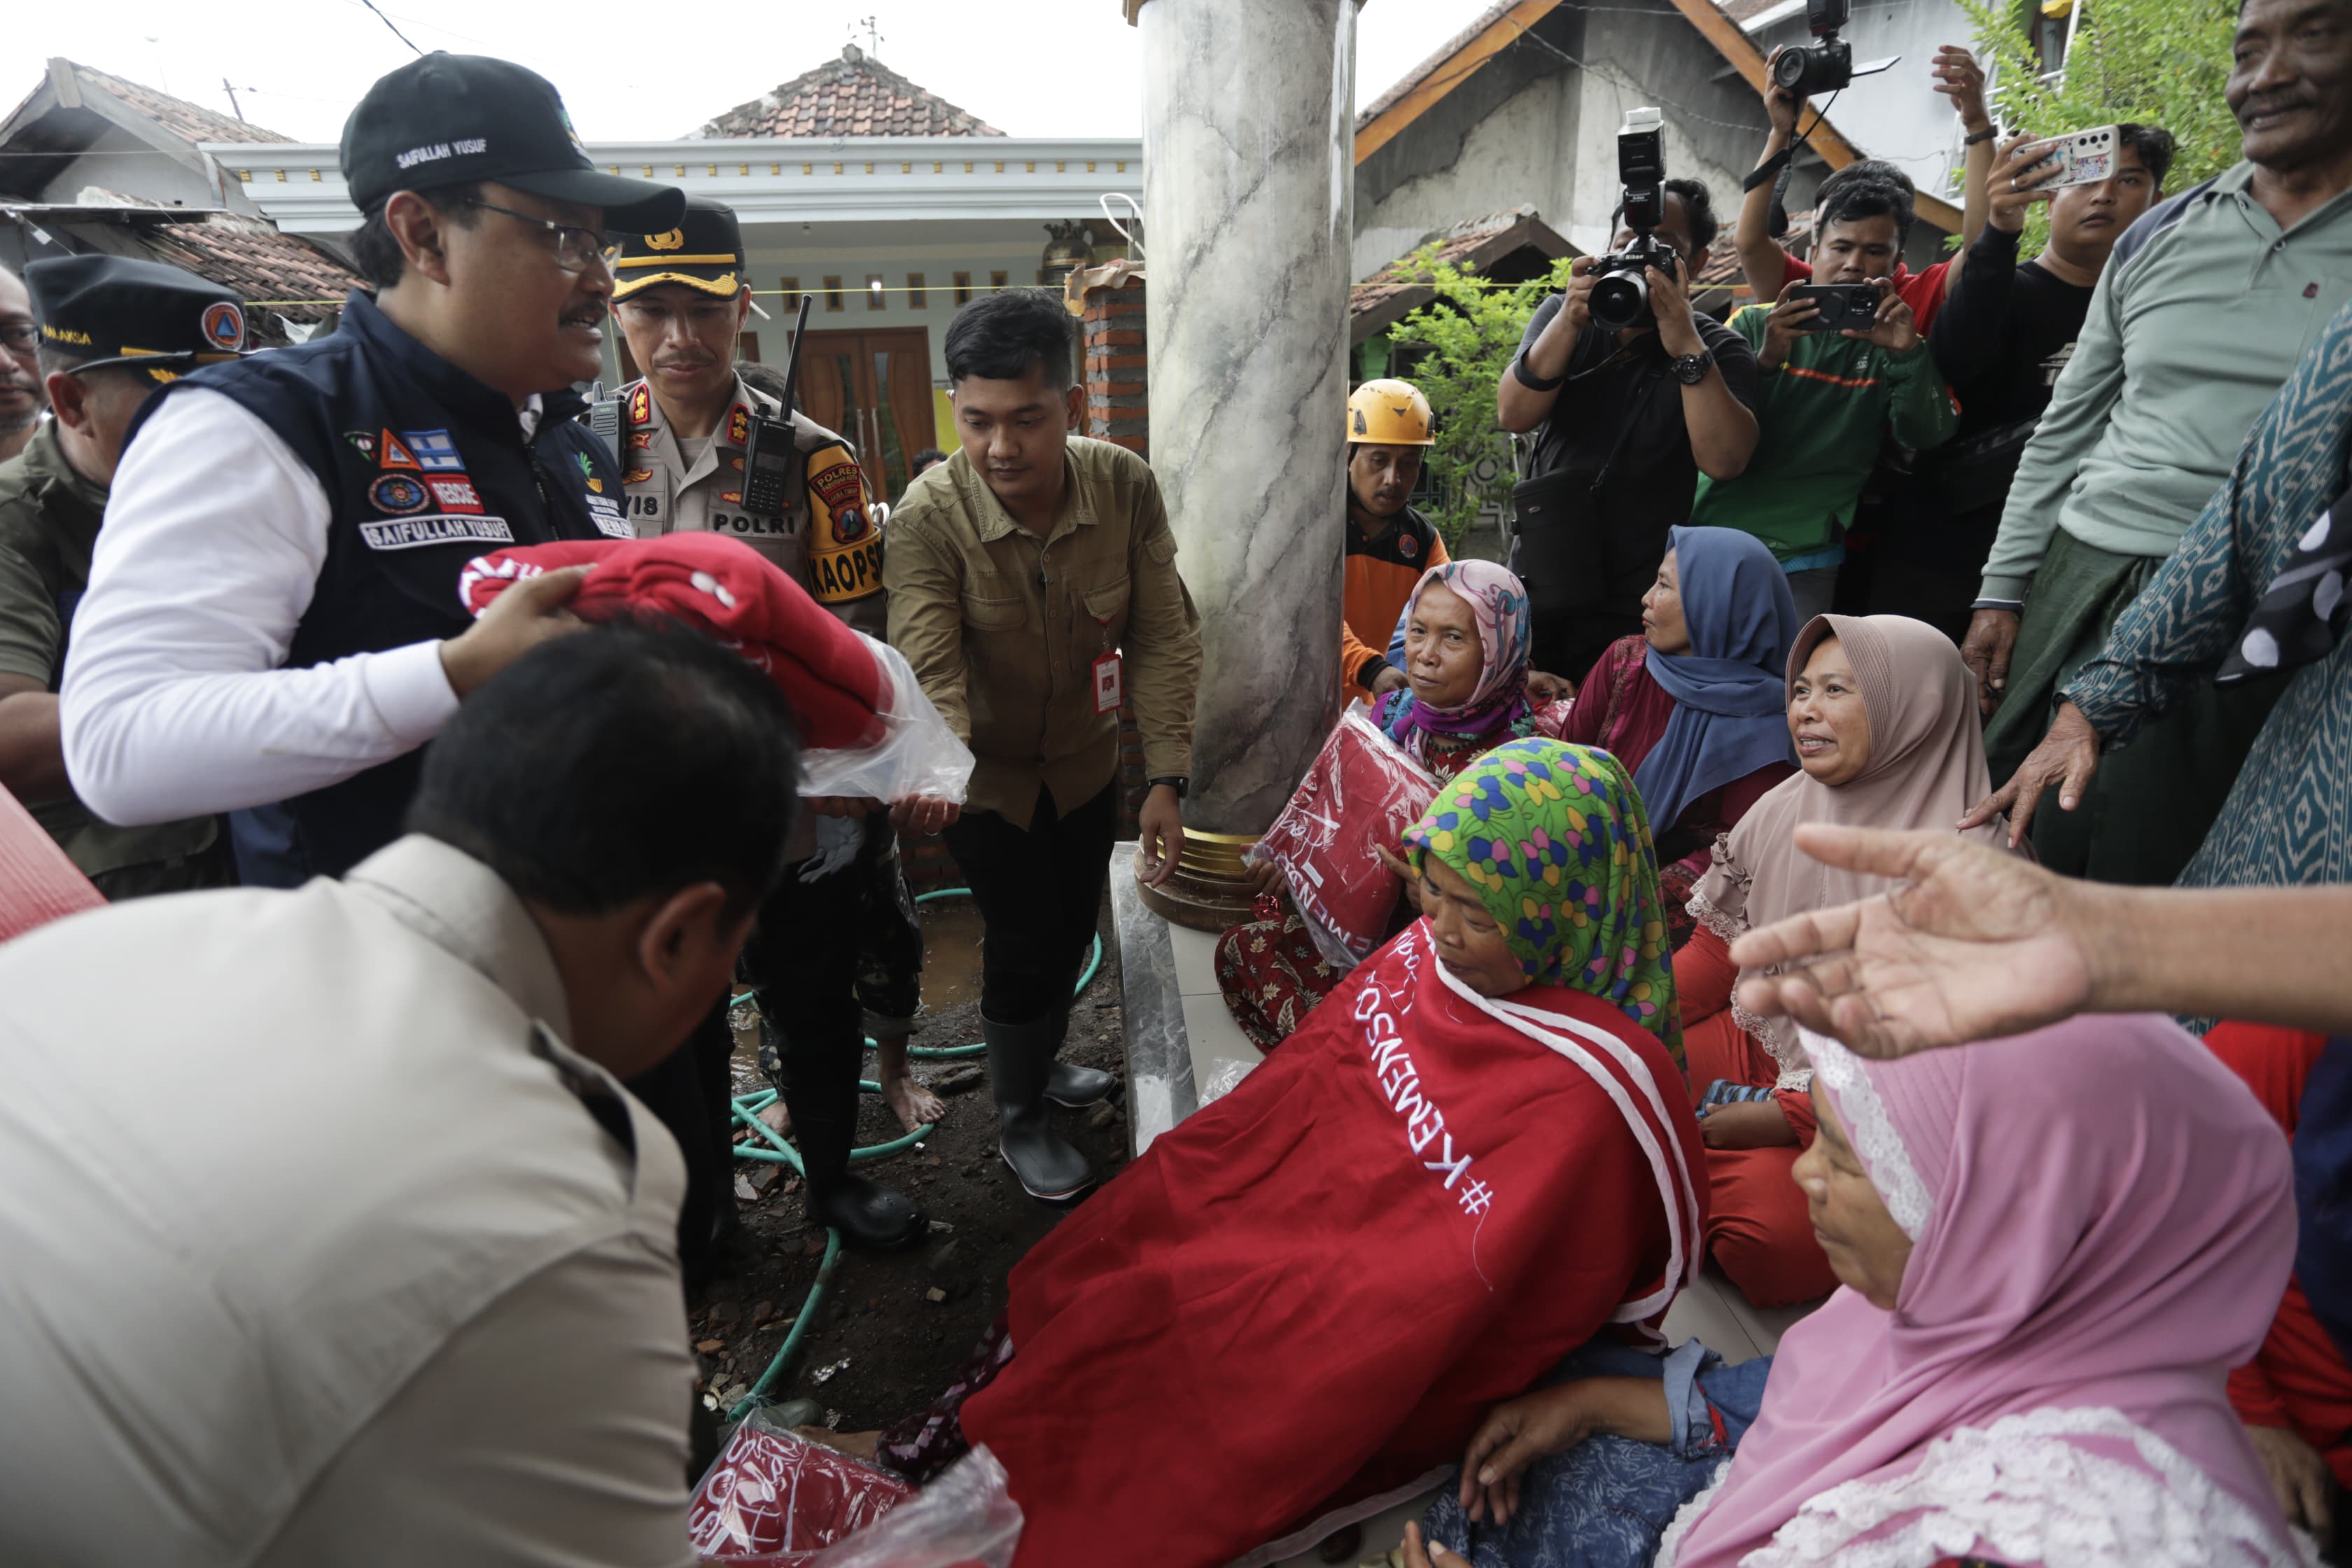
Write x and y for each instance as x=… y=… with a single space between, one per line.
x=387 y=22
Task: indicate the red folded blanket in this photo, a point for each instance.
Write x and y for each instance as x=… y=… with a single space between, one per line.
x=724 y=587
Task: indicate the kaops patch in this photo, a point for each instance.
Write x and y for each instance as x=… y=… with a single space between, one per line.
x=435 y=452
x=455 y=495
x=224 y=325
x=395 y=455
x=398 y=493
x=414 y=532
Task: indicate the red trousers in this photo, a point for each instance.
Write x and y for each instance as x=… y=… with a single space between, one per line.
x=1757 y=1230
x=2298 y=1379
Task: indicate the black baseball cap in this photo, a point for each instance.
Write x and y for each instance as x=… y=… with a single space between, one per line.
x=116 y=311
x=704 y=251
x=449 y=119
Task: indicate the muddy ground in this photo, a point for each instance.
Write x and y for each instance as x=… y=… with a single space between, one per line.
x=880 y=1346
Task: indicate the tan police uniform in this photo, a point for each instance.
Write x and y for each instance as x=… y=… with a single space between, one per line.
x=826 y=538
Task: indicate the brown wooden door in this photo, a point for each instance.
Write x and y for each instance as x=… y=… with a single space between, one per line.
x=874 y=388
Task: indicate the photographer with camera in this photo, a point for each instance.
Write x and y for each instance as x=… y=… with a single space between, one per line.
x=1840 y=363
x=1631 y=396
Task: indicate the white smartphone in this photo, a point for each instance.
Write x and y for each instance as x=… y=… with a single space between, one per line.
x=2082 y=157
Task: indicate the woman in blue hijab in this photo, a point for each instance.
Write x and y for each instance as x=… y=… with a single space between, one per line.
x=1696 y=704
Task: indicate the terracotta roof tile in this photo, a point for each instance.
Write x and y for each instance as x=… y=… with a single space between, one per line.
x=258 y=262
x=177 y=115
x=852 y=96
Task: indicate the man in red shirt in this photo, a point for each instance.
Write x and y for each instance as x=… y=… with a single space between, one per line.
x=1771 y=269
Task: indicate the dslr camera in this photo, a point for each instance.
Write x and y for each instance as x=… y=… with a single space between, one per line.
x=1621 y=291
x=1825 y=65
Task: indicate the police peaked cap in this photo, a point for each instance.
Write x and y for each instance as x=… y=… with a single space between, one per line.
x=704 y=251
x=114 y=310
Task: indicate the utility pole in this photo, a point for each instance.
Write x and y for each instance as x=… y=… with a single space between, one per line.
x=232 y=100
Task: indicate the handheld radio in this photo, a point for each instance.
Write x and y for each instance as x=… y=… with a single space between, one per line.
x=771 y=455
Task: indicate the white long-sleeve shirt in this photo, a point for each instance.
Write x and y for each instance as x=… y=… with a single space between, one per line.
x=175 y=702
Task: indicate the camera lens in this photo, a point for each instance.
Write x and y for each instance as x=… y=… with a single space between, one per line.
x=1620 y=300
x=1788 y=68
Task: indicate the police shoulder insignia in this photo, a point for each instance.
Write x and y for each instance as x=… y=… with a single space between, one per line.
x=641 y=404
x=738 y=425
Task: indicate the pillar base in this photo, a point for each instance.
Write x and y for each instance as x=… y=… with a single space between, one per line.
x=1211 y=889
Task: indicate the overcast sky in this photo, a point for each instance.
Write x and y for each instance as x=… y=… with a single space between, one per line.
x=1033 y=68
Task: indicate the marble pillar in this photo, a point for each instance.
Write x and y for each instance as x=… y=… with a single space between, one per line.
x=1249 y=180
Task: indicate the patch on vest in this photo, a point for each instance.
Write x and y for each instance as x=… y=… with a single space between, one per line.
x=455 y=495
x=738 y=425
x=434 y=451
x=411 y=532
x=398 y=493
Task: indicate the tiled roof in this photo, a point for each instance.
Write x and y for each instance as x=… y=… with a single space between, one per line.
x=192 y=122
x=258 y=262
x=1384 y=298
x=853 y=96
x=1428 y=68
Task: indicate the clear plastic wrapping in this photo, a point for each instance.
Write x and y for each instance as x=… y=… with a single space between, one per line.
x=919 y=754
x=774 y=1498
x=1358 y=796
x=965 y=1519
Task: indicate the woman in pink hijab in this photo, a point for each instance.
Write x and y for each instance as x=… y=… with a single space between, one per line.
x=2053 y=1248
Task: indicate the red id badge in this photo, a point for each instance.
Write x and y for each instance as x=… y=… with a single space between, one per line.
x=1109 y=690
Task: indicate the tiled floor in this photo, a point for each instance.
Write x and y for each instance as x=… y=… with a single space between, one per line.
x=1711 y=1309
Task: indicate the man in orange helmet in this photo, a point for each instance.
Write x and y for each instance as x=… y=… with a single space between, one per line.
x=1389 y=543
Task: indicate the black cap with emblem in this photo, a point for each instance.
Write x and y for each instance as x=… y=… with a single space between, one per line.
x=704 y=251
x=449 y=119
x=115 y=310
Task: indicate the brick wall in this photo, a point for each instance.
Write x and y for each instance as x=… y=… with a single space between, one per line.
x=1117 y=407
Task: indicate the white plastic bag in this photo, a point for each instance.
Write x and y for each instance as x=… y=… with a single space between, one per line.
x=918 y=754
x=965 y=1519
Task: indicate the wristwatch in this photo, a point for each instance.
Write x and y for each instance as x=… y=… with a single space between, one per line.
x=1182 y=786
x=1691 y=369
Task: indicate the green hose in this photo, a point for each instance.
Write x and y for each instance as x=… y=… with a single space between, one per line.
x=773 y=1150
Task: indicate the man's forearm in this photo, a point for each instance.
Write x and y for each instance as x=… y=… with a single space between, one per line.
x=2267 y=956
x=1761 y=256
x=32 y=749
x=1723 y=432
x=1521 y=407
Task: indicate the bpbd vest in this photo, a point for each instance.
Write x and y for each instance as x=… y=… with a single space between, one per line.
x=423 y=469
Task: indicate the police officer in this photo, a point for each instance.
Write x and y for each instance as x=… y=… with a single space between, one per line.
x=273 y=613
x=113 y=330
x=840 y=930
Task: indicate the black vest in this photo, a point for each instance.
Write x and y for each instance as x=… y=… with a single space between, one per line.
x=424 y=468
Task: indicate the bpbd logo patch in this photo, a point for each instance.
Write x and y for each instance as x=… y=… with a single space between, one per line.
x=224 y=326
x=398 y=493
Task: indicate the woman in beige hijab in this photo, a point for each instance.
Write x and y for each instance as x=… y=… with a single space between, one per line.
x=1884 y=716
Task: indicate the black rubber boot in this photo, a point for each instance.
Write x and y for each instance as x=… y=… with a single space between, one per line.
x=1020 y=1061
x=1068 y=1085
x=869 y=1216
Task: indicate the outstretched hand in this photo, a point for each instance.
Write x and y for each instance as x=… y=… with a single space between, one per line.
x=2066 y=760
x=1976 y=944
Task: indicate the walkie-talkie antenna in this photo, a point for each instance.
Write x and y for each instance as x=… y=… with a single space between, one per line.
x=793 y=360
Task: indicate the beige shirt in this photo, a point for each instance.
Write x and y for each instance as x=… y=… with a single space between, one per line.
x=315 y=1252
x=826 y=538
x=1004 y=629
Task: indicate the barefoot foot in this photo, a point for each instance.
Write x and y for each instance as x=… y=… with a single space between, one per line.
x=915 y=1106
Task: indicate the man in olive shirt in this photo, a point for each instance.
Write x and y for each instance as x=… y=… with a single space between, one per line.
x=1033 y=585
x=112 y=330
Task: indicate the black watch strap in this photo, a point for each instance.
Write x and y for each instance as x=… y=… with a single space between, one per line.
x=1177 y=782
x=1691 y=369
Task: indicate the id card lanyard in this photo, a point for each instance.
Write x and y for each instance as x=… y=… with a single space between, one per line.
x=1111 y=686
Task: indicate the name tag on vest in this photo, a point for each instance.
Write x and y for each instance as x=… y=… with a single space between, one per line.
x=410 y=532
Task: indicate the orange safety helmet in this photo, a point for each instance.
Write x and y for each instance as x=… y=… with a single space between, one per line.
x=1390 y=412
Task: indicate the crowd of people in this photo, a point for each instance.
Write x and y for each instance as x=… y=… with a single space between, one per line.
x=444 y=741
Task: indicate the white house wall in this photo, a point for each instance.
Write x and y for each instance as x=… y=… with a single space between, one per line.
x=120 y=162
x=1896 y=115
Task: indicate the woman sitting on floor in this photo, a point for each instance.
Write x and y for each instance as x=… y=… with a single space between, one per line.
x=1694 y=705
x=2043 y=1290
x=1467 y=631
x=1884 y=714
x=1478 y=1157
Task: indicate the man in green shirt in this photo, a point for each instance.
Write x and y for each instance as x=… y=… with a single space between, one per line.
x=1827 y=398
x=2206 y=307
x=113 y=330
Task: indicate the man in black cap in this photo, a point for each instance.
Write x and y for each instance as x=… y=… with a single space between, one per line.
x=837 y=949
x=113 y=330
x=273 y=619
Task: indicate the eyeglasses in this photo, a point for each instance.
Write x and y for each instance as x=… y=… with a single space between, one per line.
x=576 y=248
x=22 y=336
